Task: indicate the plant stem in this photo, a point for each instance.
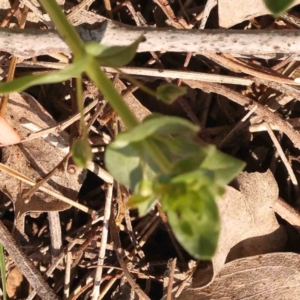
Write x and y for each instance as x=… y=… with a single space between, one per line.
x=116 y=101
x=109 y=92
x=66 y=30
x=158 y=156
x=3 y=272
x=137 y=83
x=80 y=103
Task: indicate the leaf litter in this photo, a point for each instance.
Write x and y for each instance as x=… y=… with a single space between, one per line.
x=251 y=259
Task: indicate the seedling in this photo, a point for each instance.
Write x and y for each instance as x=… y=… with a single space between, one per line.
x=158 y=159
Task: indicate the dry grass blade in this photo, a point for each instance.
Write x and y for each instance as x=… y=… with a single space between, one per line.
x=52 y=193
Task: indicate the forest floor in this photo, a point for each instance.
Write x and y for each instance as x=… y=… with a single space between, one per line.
x=246 y=105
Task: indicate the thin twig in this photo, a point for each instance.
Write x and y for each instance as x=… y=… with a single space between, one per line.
x=172 y=267
x=102 y=250
x=27 y=180
x=60 y=126
x=118 y=249
x=283 y=158
x=11 y=12
x=54 y=265
x=26 y=266
x=248 y=103
x=228 y=61
x=13 y=62
x=210 y=4
x=55 y=233
x=154 y=72
x=235 y=129
x=287 y=212
x=67 y=275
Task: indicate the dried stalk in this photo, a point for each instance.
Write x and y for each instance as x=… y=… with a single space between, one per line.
x=260 y=43
x=26 y=266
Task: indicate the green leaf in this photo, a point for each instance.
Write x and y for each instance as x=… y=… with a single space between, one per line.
x=143 y=204
x=129 y=164
x=81 y=152
x=278 y=6
x=193 y=213
x=113 y=56
x=169 y=92
x=124 y=164
x=157 y=125
x=22 y=83
x=225 y=167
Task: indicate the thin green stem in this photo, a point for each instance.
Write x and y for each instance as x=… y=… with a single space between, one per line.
x=109 y=92
x=137 y=83
x=116 y=101
x=3 y=271
x=158 y=156
x=80 y=104
x=66 y=30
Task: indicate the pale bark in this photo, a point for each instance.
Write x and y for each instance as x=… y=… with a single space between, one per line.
x=260 y=43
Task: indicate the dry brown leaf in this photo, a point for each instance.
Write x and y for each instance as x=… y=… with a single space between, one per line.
x=248 y=223
x=17 y=286
x=35 y=159
x=234 y=12
x=269 y=276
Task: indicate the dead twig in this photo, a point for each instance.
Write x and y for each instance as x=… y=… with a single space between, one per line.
x=287 y=212
x=248 y=103
x=26 y=266
x=236 y=65
x=261 y=43
x=118 y=249
x=172 y=267
x=68 y=259
x=283 y=158
x=102 y=250
x=45 y=190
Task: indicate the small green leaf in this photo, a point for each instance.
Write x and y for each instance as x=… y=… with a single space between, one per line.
x=192 y=213
x=24 y=82
x=157 y=125
x=169 y=92
x=225 y=167
x=278 y=6
x=143 y=204
x=113 y=56
x=124 y=164
x=81 y=152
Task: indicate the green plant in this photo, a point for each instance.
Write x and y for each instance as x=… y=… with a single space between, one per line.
x=278 y=6
x=3 y=271
x=159 y=158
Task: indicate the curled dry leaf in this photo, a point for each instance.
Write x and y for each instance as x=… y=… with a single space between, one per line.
x=8 y=136
x=269 y=276
x=248 y=223
x=35 y=159
x=234 y=12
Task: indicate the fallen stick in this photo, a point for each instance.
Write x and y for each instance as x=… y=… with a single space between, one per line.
x=26 y=266
x=274 y=44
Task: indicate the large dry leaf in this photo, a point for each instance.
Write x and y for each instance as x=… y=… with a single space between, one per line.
x=269 y=276
x=35 y=159
x=234 y=12
x=248 y=223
